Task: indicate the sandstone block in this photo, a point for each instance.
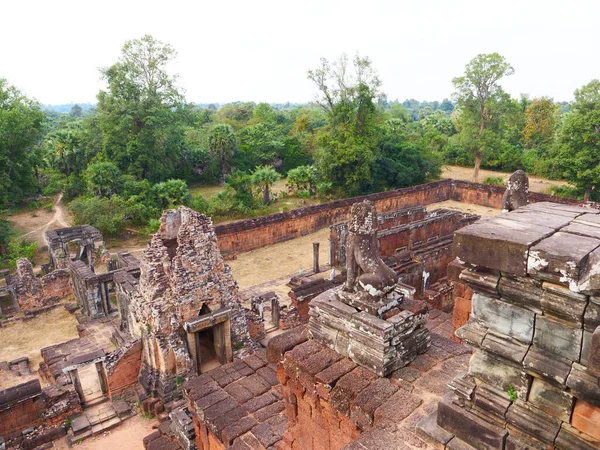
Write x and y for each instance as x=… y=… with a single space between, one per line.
x=533 y=421
x=499 y=244
x=584 y=385
x=570 y=438
x=561 y=302
x=593 y=358
x=543 y=364
x=561 y=256
x=504 y=317
x=558 y=338
x=468 y=426
x=505 y=346
x=553 y=401
x=524 y=291
x=586 y=418
x=499 y=372
x=482 y=281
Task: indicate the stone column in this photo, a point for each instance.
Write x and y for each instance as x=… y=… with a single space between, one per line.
x=331 y=252
x=102 y=376
x=315 y=257
x=77 y=384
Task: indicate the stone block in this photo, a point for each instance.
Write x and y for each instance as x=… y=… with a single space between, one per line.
x=586 y=418
x=593 y=357
x=430 y=431
x=570 y=438
x=499 y=372
x=369 y=399
x=558 y=338
x=591 y=318
x=284 y=342
x=505 y=346
x=472 y=333
x=524 y=291
x=395 y=409
x=482 y=281
x=540 y=217
x=491 y=400
x=553 y=401
x=586 y=343
x=468 y=426
x=561 y=302
x=348 y=387
x=583 y=229
x=503 y=317
x=589 y=280
x=561 y=257
x=533 y=421
x=499 y=244
x=584 y=385
x=544 y=364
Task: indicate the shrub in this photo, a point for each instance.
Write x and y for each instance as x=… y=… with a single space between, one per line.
x=566 y=192
x=494 y=181
x=17 y=249
x=107 y=214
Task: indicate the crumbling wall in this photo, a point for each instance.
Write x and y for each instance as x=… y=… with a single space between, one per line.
x=123 y=367
x=182 y=277
x=33 y=292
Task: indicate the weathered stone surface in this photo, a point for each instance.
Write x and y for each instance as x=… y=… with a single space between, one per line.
x=593 y=359
x=472 y=333
x=533 y=421
x=468 y=426
x=491 y=400
x=570 y=438
x=395 y=409
x=584 y=385
x=558 y=338
x=499 y=244
x=499 y=372
x=553 y=401
x=505 y=346
x=348 y=387
x=503 y=317
x=430 y=431
x=544 y=364
x=284 y=342
x=561 y=257
x=524 y=291
x=559 y=301
x=482 y=281
x=369 y=399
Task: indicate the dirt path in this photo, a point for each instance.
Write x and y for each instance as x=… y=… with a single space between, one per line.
x=536 y=184
x=34 y=224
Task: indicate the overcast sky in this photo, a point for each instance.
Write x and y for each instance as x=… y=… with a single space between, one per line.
x=253 y=50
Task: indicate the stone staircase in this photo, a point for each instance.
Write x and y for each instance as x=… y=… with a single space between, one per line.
x=99 y=418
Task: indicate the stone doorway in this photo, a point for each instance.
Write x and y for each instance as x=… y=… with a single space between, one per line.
x=209 y=339
x=88 y=375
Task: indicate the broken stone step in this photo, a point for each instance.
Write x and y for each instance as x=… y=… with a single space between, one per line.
x=95 y=402
x=82 y=436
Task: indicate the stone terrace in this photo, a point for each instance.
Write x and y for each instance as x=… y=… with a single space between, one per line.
x=332 y=403
x=239 y=403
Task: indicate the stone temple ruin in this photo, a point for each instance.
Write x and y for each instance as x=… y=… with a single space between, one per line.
x=433 y=330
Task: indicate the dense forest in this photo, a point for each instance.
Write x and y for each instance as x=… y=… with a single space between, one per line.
x=134 y=153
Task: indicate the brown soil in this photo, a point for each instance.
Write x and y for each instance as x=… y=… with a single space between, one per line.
x=536 y=184
x=27 y=337
x=127 y=436
x=483 y=211
x=279 y=260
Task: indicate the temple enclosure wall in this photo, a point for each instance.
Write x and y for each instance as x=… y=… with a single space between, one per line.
x=246 y=235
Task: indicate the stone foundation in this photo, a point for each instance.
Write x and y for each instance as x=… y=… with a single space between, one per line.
x=381 y=345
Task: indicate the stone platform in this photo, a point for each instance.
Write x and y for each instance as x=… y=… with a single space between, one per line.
x=382 y=345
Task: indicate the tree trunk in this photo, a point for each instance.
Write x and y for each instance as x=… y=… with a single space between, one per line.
x=267 y=197
x=587 y=194
x=476 y=169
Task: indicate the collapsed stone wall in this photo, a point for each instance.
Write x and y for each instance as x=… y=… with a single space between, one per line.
x=182 y=277
x=39 y=412
x=246 y=235
x=33 y=293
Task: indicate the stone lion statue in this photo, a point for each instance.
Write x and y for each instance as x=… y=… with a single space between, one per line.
x=366 y=271
x=517 y=191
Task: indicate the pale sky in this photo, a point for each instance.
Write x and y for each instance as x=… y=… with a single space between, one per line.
x=253 y=50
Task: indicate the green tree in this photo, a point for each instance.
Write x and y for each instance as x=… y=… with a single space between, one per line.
x=477 y=91
x=264 y=177
x=102 y=178
x=171 y=193
x=346 y=148
x=303 y=178
x=541 y=117
x=21 y=125
x=222 y=143
x=260 y=144
x=578 y=155
x=141 y=114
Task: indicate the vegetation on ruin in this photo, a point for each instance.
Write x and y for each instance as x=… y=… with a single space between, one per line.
x=121 y=162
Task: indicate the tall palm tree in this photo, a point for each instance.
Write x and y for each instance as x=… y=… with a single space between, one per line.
x=222 y=143
x=264 y=177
